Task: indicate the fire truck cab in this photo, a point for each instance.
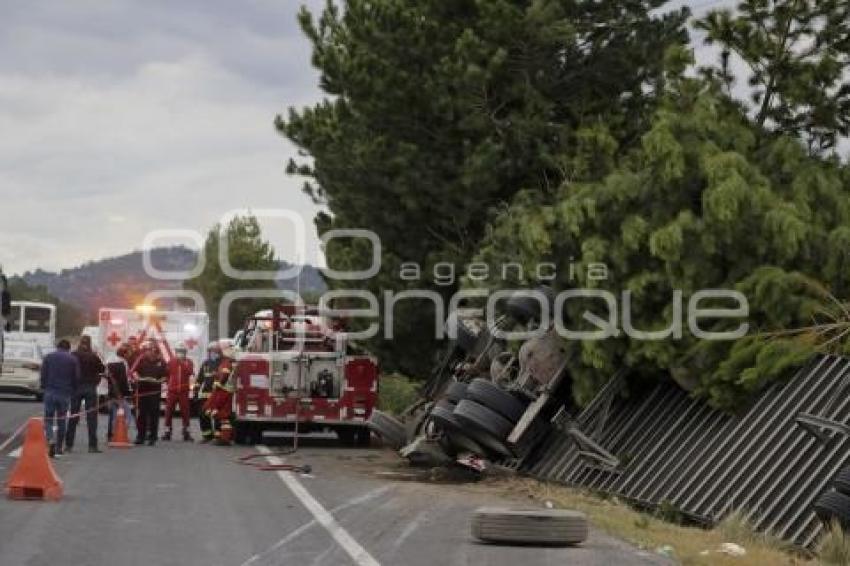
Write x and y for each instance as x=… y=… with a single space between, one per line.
x=295 y=365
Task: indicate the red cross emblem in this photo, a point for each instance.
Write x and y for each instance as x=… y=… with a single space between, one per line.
x=191 y=343
x=113 y=339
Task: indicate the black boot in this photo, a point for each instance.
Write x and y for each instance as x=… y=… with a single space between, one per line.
x=186 y=436
x=52 y=451
x=166 y=435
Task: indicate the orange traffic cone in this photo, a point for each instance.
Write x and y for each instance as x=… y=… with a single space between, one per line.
x=119 y=435
x=33 y=476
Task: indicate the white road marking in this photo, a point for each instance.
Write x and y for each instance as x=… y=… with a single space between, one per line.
x=368 y=496
x=16 y=453
x=409 y=529
x=14 y=435
x=357 y=553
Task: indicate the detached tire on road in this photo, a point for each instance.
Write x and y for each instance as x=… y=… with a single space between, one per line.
x=388 y=428
x=544 y=526
x=833 y=505
x=493 y=397
x=841 y=483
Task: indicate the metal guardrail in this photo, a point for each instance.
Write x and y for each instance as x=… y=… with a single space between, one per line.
x=770 y=463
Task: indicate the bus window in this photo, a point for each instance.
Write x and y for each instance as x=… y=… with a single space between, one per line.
x=36 y=319
x=15 y=318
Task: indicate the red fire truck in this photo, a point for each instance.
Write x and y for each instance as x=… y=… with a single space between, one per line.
x=295 y=365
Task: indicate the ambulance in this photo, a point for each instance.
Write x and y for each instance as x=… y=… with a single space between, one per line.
x=144 y=322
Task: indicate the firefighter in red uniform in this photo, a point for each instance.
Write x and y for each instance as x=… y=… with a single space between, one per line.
x=219 y=405
x=204 y=388
x=180 y=371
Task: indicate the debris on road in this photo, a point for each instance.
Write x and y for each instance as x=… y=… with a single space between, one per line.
x=538 y=526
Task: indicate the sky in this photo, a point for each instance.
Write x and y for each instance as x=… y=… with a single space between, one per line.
x=124 y=117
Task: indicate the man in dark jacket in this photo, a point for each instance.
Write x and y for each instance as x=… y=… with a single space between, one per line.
x=5 y=304
x=60 y=373
x=149 y=375
x=91 y=370
x=117 y=371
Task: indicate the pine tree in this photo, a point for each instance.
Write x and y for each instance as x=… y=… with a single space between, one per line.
x=797 y=53
x=439 y=112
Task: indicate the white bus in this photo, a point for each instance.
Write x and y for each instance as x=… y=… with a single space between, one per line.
x=33 y=322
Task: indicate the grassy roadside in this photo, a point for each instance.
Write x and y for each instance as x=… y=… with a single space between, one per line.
x=690 y=545
x=396 y=392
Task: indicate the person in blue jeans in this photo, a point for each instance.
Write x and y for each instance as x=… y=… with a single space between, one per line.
x=91 y=370
x=60 y=374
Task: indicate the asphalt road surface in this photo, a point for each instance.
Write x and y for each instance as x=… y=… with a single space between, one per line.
x=184 y=504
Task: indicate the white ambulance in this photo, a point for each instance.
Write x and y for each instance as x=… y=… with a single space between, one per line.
x=168 y=328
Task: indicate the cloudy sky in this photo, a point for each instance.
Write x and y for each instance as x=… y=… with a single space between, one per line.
x=123 y=117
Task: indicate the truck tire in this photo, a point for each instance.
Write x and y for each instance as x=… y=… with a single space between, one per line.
x=241 y=433
x=544 y=526
x=483 y=418
x=442 y=416
x=494 y=397
x=465 y=338
x=833 y=505
x=460 y=443
x=524 y=308
x=453 y=431
x=455 y=391
x=484 y=426
x=388 y=428
x=364 y=437
x=841 y=483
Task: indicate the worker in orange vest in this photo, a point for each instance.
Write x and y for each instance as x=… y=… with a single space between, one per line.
x=219 y=405
x=180 y=372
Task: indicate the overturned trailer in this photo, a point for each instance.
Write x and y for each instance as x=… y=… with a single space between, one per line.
x=783 y=463
x=776 y=463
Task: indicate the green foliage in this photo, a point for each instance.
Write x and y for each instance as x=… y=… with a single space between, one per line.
x=247 y=251
x=396 y=393
x=797 y=52
x=696 y=205
x=442 y=111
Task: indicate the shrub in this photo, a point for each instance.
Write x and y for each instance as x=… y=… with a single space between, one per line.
x=396 y=392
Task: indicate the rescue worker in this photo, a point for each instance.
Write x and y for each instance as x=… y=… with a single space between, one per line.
x=180 y=372
x=219 y=405
x=204 y=389
x=149 y=375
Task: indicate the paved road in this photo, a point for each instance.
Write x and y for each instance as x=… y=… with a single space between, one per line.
x=184 y=504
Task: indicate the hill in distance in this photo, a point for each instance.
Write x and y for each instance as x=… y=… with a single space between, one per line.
x=122 y=281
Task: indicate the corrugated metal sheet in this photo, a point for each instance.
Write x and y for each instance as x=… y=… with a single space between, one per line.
x=706 y=463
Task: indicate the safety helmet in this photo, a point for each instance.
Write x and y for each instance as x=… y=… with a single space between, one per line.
x=214 y=347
